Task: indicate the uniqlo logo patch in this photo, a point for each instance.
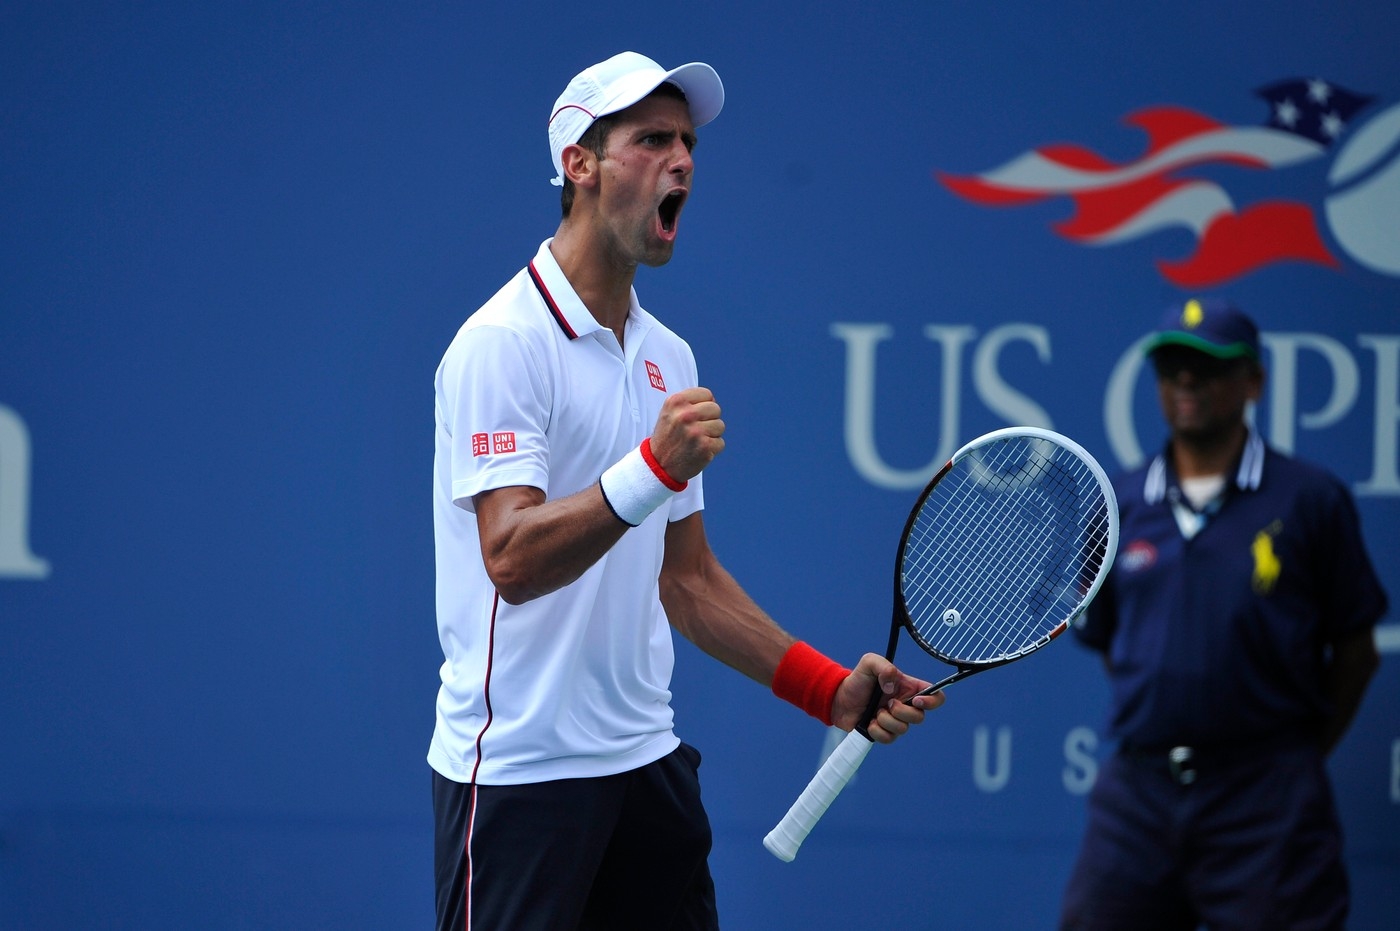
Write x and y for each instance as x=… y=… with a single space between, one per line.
x=654 y=376
x=483 y=444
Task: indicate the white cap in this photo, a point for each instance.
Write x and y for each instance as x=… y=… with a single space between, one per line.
x=616 y=84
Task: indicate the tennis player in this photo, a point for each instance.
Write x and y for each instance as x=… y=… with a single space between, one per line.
x=571 y=436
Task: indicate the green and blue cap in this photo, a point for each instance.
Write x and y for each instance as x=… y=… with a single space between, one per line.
x=1210 y=325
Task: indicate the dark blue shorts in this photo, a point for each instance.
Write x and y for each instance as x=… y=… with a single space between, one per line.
x=624 y=851
x=1252 y=840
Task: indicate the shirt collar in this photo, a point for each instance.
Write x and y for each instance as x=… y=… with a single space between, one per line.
x=1248 y=474
x=560 y=298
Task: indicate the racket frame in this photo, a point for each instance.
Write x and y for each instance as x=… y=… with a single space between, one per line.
x=840 y=767
x=902 y=620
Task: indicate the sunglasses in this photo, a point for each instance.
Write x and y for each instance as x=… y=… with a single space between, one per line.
x=1171 y=361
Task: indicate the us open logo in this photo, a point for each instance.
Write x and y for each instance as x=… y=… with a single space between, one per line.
x=1309 y=121
x=17 y=560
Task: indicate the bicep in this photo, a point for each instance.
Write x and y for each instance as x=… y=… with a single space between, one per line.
x=685 y=564
x=1354 y=655
x=531 y=546
x=686 y=544
x=497 y=510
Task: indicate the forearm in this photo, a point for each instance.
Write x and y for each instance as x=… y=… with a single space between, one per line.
x=1354 y=661
x=711 y=610
x=532 y=547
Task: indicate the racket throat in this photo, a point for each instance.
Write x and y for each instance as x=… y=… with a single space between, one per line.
x=962 y=673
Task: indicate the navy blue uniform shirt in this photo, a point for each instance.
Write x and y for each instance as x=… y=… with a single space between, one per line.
x=1221 y=638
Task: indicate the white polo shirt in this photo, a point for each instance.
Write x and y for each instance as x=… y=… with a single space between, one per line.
x=533 y=391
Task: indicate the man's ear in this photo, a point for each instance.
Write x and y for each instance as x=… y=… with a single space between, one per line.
x=580 y=165
x=1257 y=379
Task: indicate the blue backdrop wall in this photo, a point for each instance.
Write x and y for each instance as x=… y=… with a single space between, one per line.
x=237 y=238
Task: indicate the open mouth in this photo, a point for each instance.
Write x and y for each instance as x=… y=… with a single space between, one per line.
x=670 y=210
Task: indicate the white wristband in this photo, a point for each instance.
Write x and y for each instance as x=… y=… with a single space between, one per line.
x=636 y=485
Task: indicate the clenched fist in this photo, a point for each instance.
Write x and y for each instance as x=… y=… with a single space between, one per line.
x=688 y=434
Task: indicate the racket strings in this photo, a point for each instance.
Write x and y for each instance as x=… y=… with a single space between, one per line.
x=989 y=622
x=1002 y=550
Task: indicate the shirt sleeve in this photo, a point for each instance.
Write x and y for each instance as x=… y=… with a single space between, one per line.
x=1351 y=594
x=1095 y=627
x=496 y=406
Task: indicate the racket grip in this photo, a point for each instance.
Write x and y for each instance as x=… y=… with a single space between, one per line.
x=838 y=769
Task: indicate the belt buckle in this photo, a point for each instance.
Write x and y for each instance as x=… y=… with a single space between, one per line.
x=1180 y=763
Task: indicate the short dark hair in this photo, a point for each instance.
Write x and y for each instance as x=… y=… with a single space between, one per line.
x=595 y=139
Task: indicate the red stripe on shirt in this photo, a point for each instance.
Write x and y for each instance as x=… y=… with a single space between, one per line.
x=550 y=303
x=476 y=767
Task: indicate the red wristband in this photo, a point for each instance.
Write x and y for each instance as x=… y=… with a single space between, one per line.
x=658 y=470
x=809 y=680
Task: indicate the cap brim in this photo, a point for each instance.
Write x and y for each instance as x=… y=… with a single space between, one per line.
x=704 y=92
x=703 y=89
x=1229 y=351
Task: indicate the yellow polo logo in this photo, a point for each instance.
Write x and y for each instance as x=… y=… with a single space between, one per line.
x=1192 y=314
x=1266 y=564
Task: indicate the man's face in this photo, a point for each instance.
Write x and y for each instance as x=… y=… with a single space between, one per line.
x=645 y=179
x=1203 y=397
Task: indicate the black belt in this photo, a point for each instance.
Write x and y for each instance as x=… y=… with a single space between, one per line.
x=1184 y=763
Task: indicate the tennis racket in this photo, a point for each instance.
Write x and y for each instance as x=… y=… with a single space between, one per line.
x=1005 y=547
